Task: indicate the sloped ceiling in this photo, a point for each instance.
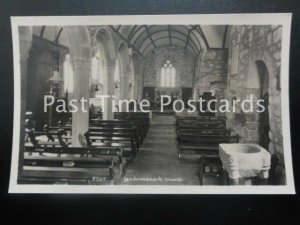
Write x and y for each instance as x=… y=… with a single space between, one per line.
x=51 y=33
x=194 y=38
x=144 y=38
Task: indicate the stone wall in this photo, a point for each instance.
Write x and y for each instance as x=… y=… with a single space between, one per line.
x=136 y=59
x=138 y=63
x=180 y=58
x=211 y=73
x=249 y=46
x=212 y=67
x=44 y=58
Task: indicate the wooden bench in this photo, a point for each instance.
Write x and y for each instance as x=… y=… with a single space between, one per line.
x=200 y=118
x=141 y=127
x=132 y=130
x=128 y=141
x=75 y=165
x=221 y=132
x=54 y=138
x=201 y=126
x=203 y=144
x=129 y=116
x=188 y=122
x=124 y=129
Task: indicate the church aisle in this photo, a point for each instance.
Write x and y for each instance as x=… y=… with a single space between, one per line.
x=157 y=163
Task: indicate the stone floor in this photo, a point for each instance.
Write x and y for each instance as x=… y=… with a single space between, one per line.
x=157 y=162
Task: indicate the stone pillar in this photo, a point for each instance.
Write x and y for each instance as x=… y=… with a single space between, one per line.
x=108 y=89
x=25 y=42
x=136 y=87
x=124 y=87
x=62 y=57
x=80 y=118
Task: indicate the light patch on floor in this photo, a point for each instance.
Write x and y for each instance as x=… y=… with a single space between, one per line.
x=157 y=163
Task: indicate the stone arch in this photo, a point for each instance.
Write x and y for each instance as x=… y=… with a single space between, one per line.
x=274 y=109
x=260 y=83
x=262 y=58
x=267 y=59
x=105 y=43
x=79 y=42
x=104 y=39
x=123 y=54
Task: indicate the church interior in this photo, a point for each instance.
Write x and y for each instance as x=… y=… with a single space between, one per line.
x=107 y=144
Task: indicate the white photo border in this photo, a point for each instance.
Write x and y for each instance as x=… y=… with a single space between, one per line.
x=283 y=19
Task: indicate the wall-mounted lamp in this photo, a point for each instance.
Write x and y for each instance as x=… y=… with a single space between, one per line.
x=54 y=82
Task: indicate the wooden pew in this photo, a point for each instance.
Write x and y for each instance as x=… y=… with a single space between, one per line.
x=129 y=116
x=200 y=126
x=132 y=130
x=55 y=138
x=203 y=144
x=46 y=165
x=200 y=118
x=221 y=132
x=142 y=129
x=124 y=120
x=128 y=141
x=106 y=133
x=188 y=122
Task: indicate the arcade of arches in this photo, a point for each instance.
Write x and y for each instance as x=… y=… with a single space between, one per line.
x=144 y=62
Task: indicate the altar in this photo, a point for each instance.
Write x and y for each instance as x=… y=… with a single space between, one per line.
x=174 y=93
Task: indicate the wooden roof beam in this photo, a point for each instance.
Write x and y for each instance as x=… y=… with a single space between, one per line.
x=129 y=44
x=149 y=35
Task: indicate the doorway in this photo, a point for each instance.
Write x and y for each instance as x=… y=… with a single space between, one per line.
x=264 y=122
x=187 y=94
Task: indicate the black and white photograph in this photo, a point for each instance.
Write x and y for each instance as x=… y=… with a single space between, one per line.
x=174 y=104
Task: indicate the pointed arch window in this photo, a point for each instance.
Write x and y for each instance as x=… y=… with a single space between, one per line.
x=168 y=75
